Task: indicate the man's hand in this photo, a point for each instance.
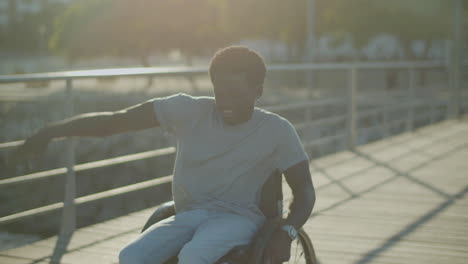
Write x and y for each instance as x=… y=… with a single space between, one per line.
x=31 y=148
x=278 y=248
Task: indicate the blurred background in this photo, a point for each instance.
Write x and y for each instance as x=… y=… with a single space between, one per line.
x=389 y=53
x=54 y=35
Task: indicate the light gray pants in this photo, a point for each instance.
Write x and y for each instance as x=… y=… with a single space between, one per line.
x=199 y=236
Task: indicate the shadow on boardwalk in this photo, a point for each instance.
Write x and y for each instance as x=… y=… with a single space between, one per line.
x=449 y=199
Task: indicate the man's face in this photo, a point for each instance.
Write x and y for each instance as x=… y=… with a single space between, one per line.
x=234 y=98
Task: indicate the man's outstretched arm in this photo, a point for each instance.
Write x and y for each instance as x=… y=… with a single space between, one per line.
x=101 y=124
x=137 y=117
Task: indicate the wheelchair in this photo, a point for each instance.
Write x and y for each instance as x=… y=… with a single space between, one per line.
x=302 y=250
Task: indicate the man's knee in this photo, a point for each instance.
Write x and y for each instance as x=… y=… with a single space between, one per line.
x=130 y=255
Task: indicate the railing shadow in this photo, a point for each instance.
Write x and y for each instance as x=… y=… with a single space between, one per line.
x=63 y=242
x=449 y=199
x=370 y=255
x=60 y=248
x=375 y=165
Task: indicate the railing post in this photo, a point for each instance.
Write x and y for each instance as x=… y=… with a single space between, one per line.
x=68 y=224
x=411 y=82
x=433 y=102
x=69 y=212
x=454 y=66
x=352 y=114
x=385 y=129
x=309 y=87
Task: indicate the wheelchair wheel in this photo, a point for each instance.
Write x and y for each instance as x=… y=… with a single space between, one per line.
x=302 y=250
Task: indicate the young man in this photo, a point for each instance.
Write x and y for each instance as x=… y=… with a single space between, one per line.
x=226 y=150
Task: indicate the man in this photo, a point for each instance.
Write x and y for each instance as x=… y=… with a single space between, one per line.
x=226 y=150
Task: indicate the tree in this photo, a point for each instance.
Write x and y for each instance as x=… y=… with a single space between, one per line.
x=136 y=28
x=28 y=32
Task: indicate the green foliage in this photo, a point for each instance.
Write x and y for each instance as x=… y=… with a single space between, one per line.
x=75 y=32
x=136 y=28
x=29 y=32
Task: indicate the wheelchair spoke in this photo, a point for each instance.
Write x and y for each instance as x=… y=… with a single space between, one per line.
x=297 y=253
x=297 y=246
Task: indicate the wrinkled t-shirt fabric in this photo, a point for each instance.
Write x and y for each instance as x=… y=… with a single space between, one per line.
x=220 y=166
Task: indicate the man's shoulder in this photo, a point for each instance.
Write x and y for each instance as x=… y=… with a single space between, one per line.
x=273 y=118
x=188 y=97
x=184 y=100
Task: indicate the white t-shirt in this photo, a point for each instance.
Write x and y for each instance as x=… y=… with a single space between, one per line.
x=220 y=166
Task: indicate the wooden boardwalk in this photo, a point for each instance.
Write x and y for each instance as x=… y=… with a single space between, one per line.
x=398 y=200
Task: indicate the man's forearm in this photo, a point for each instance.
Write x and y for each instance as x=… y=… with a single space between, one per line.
x=301 y=208
x=84 y=125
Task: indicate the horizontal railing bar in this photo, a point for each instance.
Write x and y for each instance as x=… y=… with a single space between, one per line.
x=381 y=109
x=379 y=126
x=390 y=122
x=33 y=212
x=320 y=122
x=102 y=73
x=11 y=144
x=17 y=143
x=164 y=71
x=315 y=102
x=396 y=121
x=123 y=190
x=86 y=199
x=424 y=116
x=399 y=105
x=358 y=65
x=89 y=165
x=32 y=176
x=324 y=140
x=124 y=159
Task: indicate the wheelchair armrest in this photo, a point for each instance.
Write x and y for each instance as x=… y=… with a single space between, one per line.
x=163 y=211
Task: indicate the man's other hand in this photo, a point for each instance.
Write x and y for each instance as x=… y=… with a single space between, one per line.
x=278 y=248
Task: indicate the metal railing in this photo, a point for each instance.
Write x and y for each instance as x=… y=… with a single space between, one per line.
x=350 y=120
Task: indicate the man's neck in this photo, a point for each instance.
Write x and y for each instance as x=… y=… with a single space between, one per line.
x=239 y=121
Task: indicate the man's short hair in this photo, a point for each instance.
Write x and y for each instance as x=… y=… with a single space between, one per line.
x=239 y=59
